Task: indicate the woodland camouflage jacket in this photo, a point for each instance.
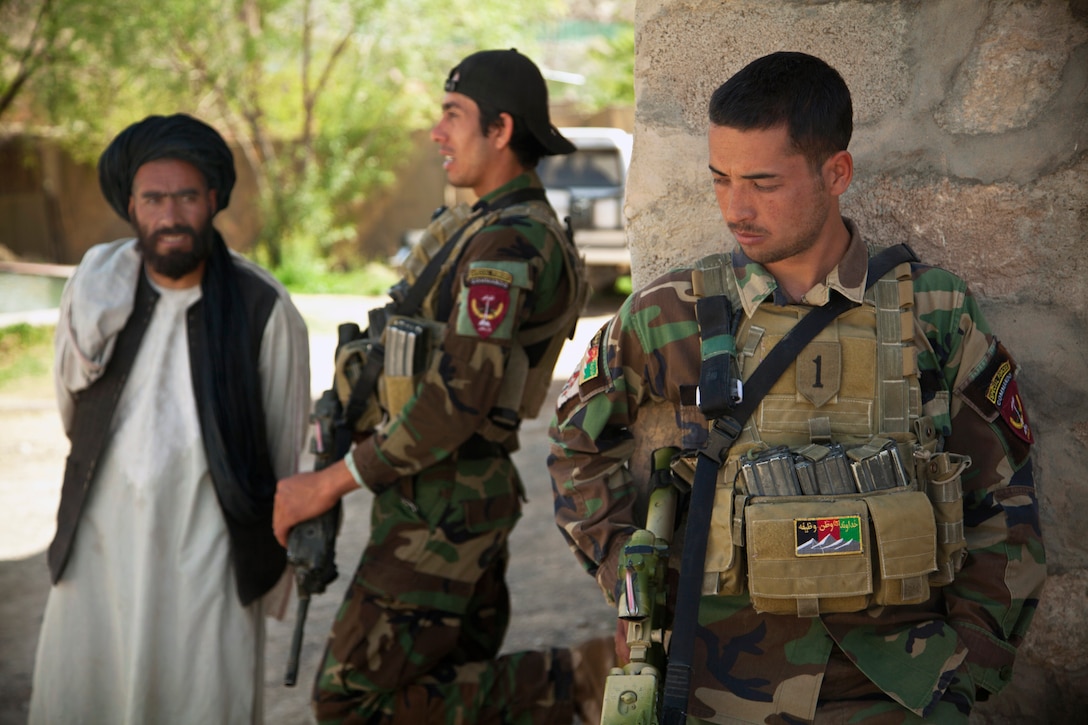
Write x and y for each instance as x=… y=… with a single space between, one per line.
x=509 y=277
x=749 y=665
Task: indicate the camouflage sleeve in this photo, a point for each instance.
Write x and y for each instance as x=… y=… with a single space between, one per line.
x=994 y=596
x=504 y=278
x=592 y=433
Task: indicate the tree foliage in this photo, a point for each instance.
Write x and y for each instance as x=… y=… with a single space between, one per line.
x=321 y=96
x=613 y=58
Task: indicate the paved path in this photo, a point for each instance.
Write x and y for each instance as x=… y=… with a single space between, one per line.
x=554 y=602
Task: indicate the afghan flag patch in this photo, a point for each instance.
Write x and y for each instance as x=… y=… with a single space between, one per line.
x=488 y=299
x=590 y=367
x=828 y=536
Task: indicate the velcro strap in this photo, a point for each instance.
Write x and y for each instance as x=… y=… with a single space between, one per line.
x=808 y=607
x=950 y=532
x=911 y=588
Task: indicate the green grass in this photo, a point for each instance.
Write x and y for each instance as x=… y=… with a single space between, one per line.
x=372 y=279
x=26 y=357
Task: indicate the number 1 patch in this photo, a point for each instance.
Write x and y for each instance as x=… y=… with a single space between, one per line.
x=819 y=372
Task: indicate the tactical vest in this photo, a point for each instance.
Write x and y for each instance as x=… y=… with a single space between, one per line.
x=837 y=495
x=410 y=342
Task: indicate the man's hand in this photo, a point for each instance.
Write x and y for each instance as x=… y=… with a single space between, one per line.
x=306 y=495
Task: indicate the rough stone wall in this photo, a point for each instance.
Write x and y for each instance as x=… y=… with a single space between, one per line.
x=971 y=145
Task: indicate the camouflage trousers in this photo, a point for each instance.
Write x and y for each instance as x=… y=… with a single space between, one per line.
x=849 y=698
x=416 y=638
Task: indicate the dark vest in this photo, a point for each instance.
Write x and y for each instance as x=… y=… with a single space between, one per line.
x=256 y=556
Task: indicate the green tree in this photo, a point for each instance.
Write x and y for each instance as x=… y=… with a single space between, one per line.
x=321 y=96
x=613 y=59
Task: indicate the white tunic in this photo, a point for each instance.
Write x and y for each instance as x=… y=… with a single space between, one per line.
x=145 y=625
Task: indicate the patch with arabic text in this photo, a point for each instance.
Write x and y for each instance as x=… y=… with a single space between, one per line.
x=831 y=536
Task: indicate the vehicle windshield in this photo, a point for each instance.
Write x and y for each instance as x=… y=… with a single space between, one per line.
x=585 y=167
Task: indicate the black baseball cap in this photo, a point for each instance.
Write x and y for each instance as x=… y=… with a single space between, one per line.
x=510 y=82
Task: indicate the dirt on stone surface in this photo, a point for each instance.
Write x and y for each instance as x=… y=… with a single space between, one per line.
x=554 y=603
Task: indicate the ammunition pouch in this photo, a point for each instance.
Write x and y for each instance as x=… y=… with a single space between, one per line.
x=810 y=555
x=832 y=528
x=409 y=343
x=945 y=491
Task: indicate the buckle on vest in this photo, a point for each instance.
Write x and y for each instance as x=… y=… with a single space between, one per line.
x=720 y=439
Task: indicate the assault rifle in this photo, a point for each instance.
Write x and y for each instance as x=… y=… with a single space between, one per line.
x=632 y=693
x=311 y=545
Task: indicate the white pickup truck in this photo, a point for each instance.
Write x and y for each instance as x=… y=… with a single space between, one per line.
x=588 y=186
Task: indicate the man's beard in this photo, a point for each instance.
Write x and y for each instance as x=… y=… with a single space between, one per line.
x=176 y=263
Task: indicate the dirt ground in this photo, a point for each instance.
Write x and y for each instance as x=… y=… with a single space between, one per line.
x=554 y=602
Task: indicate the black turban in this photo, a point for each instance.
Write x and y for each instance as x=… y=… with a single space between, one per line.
x=165 y=137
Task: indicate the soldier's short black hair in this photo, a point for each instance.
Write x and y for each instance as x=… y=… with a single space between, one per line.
x=523 y=143
x=797 y=90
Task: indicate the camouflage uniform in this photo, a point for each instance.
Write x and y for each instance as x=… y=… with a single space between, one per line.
x=416 y=637
x=923 y=662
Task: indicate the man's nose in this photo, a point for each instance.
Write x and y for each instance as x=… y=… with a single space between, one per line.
x=738 y=206
x=436 y=132
x=170 y=211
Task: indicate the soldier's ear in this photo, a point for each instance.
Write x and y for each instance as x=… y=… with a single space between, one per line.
x=502 y=130
x=838 y=172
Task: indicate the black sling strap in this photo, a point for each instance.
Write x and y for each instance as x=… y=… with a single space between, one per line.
x=727 y=427
x=408 y=305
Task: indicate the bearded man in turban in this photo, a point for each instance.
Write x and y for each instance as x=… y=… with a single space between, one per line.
x=182 y=376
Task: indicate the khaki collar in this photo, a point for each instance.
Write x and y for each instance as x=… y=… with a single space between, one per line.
x=757 y=285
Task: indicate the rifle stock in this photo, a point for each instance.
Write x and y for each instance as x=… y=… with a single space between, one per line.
x=633 y=693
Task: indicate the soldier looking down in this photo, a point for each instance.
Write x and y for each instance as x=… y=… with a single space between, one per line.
x=873 y=551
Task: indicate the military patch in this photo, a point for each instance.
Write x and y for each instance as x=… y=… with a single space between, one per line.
x=592 y=376
x=488 y=299
x=569 y=391
x=819 y=372
x=1005 y=395
x=828 y=536
x=993 y=392
x=590 y=367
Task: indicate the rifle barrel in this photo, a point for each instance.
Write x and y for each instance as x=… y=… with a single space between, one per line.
x=296 y=642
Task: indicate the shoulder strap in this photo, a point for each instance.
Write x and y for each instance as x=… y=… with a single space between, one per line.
x=729 y=421
x=488 y=214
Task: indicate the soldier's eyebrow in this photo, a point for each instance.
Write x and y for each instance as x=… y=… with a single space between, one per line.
x=760 y=175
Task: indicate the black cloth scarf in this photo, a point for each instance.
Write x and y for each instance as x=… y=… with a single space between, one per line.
x=235 y=441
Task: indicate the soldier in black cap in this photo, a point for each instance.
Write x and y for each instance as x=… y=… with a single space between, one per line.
x=418 y=635
x=182 y=376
